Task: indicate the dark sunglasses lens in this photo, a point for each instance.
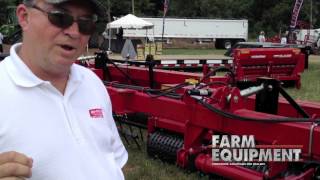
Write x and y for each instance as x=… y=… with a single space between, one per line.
x=63 y=20
x=60 y=19
x=86 y=26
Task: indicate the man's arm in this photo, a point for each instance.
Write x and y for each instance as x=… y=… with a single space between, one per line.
x=14 y=165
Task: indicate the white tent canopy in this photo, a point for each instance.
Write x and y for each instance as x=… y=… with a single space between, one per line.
x=130 y=22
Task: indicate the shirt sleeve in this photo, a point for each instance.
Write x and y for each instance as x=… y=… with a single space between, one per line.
x=120 y=153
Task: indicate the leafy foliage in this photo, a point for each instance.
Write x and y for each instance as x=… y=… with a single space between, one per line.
x=271 y=16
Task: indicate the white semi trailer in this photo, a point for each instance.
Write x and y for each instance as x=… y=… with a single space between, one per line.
x=223 y=32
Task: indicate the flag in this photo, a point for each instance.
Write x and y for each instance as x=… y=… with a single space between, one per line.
x=165 y=7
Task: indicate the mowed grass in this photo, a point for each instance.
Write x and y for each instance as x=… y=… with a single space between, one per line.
x=141 y=167
x=310 y=82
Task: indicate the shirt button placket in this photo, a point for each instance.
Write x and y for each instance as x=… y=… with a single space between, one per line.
x=72 y=122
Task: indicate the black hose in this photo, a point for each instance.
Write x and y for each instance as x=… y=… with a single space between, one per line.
x=242 y=118
x=220 y=68
x=169 y=95
x=119 y=85
x=122 y=72
x=154 y=93
x=167 y=91
x=293 y=103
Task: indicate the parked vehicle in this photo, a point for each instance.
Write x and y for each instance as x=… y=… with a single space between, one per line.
x=303 y=33
x=224 y=33
x=308 y=37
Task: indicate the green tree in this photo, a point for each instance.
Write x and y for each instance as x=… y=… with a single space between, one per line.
x=271 y=16
x=4 y=4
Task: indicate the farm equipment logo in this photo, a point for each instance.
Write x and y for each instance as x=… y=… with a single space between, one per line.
x=242 y=150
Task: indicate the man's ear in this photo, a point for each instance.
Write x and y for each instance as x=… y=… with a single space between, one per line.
x=23 y=16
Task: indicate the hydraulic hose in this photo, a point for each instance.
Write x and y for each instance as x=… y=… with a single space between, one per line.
x=242 y=118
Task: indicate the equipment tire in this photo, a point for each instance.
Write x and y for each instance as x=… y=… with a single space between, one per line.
x=226 y=44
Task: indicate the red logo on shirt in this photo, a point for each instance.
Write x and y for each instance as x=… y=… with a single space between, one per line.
x=96 y=113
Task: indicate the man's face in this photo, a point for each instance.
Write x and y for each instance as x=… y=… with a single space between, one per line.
x=55 y=48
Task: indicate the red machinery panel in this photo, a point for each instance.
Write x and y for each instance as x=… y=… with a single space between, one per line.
x=284 y=64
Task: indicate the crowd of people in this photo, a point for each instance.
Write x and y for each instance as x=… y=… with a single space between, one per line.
x=262 y=38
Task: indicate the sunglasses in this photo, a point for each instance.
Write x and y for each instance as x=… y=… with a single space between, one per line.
x=86 y=25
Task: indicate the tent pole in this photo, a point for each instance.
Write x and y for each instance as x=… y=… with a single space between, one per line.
x=109 y=47
x=146 y=35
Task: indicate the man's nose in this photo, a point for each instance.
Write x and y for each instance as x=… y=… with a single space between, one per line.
x=73 y=30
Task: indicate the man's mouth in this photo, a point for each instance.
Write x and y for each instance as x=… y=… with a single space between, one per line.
x=67 y=47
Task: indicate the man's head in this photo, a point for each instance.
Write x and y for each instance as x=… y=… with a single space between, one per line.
x=55 y=32
x=96 y=5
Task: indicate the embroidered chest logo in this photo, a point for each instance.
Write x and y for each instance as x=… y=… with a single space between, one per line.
x=96 y=113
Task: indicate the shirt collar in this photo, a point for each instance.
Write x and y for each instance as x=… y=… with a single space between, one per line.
x=23 y=76
x=75 y=79
x=19 y=71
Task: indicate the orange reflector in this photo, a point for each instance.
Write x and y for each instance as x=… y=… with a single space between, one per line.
x=296 y=51
x=244 y=51
x=191 y=81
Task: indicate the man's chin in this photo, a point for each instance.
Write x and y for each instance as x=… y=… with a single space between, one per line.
x=66 y=62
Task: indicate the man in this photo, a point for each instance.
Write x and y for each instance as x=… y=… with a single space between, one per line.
x=261 y=37
x=55 y=116
x=283 y=39
x=119 y=42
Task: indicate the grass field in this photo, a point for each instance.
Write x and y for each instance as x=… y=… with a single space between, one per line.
x=310 y=89
x=140 y=167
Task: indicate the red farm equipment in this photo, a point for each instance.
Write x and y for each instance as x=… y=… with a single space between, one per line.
x=284 y=64
x=182 y=119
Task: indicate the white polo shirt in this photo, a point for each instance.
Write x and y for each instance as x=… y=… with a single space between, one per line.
x=71 y=136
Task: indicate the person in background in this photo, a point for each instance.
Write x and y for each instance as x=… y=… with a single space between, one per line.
x=119 y=42
x=284 y=39
x=120 y=34
x=1 y=42
x=261 y=37
x=56 y=118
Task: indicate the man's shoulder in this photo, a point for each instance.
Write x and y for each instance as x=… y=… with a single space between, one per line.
x=89 y=79
x=4 y=59
x=86 y=72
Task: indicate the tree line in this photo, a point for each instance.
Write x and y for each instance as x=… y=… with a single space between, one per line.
x=271 y=16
